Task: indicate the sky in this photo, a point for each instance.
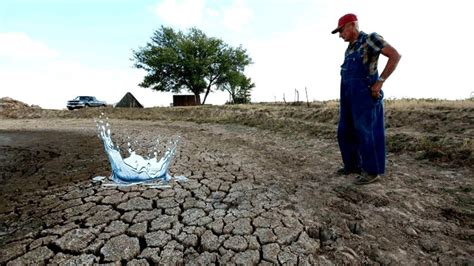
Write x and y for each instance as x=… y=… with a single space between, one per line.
x=54 y=50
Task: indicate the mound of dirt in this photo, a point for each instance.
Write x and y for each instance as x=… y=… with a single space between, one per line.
x=9 y=103
x=13 y=108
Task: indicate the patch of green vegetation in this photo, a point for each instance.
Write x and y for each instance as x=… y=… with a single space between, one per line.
x=446 y=150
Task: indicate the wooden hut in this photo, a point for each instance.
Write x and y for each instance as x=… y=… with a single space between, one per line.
x=129 y=101
x=186 y=100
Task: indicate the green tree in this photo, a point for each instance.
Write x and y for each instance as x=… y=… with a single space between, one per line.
x=238 y=86
x=175 y=61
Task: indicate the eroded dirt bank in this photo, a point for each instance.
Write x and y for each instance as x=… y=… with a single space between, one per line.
x=253 y=197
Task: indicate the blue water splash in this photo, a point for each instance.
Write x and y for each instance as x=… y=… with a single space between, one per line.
x=135 y=169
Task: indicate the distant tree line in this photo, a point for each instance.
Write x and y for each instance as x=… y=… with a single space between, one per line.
x=195 y=62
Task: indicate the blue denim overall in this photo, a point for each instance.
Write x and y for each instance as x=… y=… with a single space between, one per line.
x=360 y=131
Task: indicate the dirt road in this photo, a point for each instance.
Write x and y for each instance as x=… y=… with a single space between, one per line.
x=253 y=197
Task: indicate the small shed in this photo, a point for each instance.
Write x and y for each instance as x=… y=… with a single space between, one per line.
x=129 y=101
x=186 y=100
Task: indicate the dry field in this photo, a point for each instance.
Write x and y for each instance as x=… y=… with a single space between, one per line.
x=262 y=188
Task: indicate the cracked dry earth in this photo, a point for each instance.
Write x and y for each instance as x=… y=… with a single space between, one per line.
x=253 y=197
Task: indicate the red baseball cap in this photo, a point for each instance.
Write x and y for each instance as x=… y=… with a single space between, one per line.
x=344 y=20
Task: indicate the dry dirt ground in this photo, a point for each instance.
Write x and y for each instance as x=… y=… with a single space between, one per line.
x=255 y=195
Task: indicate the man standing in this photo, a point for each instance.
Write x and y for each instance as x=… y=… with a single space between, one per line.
x=361 y=133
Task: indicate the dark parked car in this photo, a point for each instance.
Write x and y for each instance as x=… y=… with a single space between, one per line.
x=84 y=101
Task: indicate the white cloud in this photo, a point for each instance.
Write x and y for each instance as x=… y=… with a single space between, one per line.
x=211 y=13
x=199 y=13
x=308 y=55
x=50 y=84
x=36 y=74
x=20 y=45
x=42 y=78
x=181 y=13
x=294 y=60
x=237 y=16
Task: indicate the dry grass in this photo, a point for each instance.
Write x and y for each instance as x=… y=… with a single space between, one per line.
x=438 y=130
x=428 y=103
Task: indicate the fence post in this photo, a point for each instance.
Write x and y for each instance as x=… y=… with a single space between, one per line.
x=307 y=100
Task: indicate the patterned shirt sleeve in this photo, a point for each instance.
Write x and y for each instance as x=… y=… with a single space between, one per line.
x=376 y=42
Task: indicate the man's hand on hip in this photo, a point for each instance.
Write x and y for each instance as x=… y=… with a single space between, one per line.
x=376 y=89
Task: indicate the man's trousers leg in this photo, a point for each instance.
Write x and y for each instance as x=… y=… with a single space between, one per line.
x=347 y=138
x=369 y=124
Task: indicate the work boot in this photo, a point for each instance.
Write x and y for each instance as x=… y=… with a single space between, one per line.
x=366 y=178
x=343 y=171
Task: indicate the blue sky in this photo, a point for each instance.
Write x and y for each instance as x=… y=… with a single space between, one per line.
x=54 y=50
